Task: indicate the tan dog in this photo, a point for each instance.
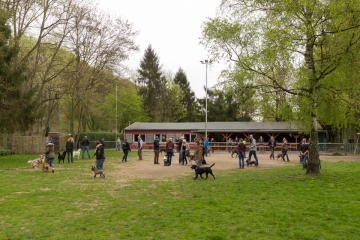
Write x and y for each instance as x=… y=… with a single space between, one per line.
x=278 y=156
x=191 y=158
x=45 y=166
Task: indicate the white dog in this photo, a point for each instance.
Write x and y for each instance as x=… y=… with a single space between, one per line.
x=37 y=161
x=77 y=153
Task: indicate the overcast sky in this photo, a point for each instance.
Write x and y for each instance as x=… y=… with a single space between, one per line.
x=173 y=28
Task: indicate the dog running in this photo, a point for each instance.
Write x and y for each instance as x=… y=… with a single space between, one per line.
x=97 y=171
x=45 y=166
x=37 y=161
x=202 y=170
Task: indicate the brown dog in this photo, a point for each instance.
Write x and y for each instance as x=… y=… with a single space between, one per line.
x=162 y=150
x=45 y=166
x=234 y=151
x=278 y=156
x=191 y=158
x=97 y=171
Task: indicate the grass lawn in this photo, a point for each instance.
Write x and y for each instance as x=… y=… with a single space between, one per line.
x=271 y=203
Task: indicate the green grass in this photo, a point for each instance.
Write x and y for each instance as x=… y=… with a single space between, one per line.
x=272 y=203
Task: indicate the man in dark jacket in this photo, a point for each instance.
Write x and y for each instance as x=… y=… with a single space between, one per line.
x=272 y=145
x=156 y=150
x=85 y=143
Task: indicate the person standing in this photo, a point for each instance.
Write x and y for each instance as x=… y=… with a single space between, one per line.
x=206 y=146
x=85 y=143
x=284 y=151
x=140 y=145
x=50 y=155
x=118 y=144
x=198 y=156
x=156 y=150
x=230 y=143
x=184 y=151
x=272 y=145
x=253 y=150
x=70 y=149
x=304 y=151
x=241 y=153
x=126 y=149
x=169 y=150
x=212 y=140
x=261 y=144
x=100 y=155
x=179 y=148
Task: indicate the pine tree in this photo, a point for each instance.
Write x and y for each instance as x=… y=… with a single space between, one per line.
x=151 y=84
x=16 y=100
x=189 y=101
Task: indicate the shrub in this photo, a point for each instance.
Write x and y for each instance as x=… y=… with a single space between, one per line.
x=337 y=154
x=5 y=152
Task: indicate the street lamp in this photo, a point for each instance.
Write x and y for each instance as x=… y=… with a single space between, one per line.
x=206 y=62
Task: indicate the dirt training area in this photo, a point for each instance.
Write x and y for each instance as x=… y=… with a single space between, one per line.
x=223 y=161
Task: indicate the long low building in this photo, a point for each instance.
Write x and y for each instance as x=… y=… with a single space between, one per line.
x=220 y=131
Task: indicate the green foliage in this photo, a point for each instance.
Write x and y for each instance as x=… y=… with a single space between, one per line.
x=173 y=109
x=189 y=100
x=152 y=84
x=17 y=104
x=5 y=152
x=132 y=208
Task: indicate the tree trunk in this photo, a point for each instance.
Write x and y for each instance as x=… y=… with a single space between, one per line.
x=313 y=160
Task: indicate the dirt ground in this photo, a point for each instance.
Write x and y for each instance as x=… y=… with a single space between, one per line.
x=147 y=169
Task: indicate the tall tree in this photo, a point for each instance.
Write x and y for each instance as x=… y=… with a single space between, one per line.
x=17 y=104
x=151 y=84
x=189 y=101
x=311 y=37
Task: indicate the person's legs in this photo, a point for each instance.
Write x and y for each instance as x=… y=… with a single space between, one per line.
x=250 y=154
x=283 y=153
x=206 y=151
x=83 y=151
x=88 y=151
x=72 y=156
x=140 y=153
x=287 y=156
x=303 y=160
x=255 y=156
x=272 y=153
x=126 y=155
x=97 y=164
x=242 y=156
x=239 y=156
x=68 y=155
x=102 y=164
x=180 y=158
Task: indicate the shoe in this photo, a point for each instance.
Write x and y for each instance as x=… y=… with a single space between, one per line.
x=53 y=170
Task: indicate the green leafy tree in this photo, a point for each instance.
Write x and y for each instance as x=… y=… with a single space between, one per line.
x=189 y=100
x=302 y=42
x=16 y=98
x=173 y=109
x=151 y=84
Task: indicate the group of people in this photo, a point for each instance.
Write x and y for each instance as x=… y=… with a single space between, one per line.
x=99 y=151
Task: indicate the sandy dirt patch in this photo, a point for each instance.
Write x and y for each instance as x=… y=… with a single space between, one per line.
x=223 y=161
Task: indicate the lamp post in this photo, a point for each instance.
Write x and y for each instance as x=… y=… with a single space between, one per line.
x=206 y=62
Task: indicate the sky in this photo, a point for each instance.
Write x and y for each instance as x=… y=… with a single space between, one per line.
x=173 y=28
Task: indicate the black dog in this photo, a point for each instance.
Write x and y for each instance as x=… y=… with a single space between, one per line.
x=62 y=157
x=201 y=170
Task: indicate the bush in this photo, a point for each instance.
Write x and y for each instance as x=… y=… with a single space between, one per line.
x=337 y=154
x=5 y=152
